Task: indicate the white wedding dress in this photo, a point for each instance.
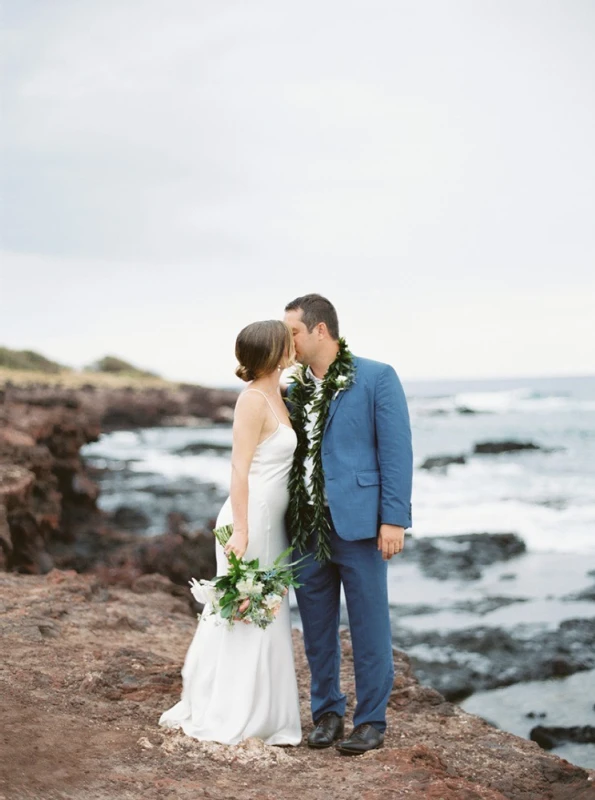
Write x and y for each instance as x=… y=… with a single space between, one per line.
x=240 y=682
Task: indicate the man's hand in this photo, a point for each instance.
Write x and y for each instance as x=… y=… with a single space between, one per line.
x=391 y=540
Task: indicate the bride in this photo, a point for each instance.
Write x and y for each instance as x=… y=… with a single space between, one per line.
x=240 y=682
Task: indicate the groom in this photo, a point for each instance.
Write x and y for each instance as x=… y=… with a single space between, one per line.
x=350 y=492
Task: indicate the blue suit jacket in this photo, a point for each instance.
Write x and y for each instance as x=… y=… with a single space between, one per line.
x=367 y=455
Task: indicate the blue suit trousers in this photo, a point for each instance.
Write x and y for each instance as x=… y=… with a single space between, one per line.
x=359 y=567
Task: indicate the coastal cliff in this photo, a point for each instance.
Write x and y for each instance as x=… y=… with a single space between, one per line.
x=48 y=511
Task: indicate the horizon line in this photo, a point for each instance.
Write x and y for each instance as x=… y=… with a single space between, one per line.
x=579 y=376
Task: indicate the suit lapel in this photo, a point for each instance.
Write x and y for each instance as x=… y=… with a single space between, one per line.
x=335 y=403
x=333 y=407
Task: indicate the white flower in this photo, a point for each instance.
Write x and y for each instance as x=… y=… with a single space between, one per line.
x=272 y=601
x=203 y=591
x=245 y=587
x=248 y=588
x=341 y=380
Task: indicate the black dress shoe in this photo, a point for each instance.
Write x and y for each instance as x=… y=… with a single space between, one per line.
x=329 y=728
x=363 y=738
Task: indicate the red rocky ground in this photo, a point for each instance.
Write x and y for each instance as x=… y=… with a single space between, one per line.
x=87 y=670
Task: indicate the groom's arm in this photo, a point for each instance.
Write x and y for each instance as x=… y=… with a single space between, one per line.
x=394 y=449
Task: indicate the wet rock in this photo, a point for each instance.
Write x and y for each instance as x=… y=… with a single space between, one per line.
x=174 y=488
x=441 y=462
x=585 y=594
x=549 y=737
x=197 y=448
x=486 y=605
x=504 y=447
x=462 y=556
x=129 y=519
x=412 y=609
x=458 y=663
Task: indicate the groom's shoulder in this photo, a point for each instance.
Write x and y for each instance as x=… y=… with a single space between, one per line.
x=371 y=367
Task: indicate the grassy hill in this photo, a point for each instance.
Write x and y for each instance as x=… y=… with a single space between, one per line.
x=117 y=366
x=29 y=360
x=25 y=367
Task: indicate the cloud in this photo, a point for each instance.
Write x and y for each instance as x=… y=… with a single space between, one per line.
x=216 y=160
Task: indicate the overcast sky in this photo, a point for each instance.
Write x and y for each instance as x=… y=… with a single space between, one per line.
x=175 y=169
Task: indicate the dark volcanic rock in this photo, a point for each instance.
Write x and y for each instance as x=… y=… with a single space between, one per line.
x=462 y=556
x=584 y=594
x=486 y=605
x=197 y=448
x=458 y=663
x=549 y=737
x=129 y=519
x=441 y=462
x=504 y=447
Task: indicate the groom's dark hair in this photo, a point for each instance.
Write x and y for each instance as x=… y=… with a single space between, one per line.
x=316 y=308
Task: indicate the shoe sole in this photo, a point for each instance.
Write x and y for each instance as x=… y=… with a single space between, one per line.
x=346 y=752
x=326 y=746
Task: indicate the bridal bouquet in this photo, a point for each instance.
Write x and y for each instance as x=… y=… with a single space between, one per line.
x=247 y=593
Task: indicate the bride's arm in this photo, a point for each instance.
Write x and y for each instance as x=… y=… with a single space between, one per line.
x=248 y=421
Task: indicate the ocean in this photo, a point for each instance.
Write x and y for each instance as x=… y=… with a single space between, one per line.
x=547 y=496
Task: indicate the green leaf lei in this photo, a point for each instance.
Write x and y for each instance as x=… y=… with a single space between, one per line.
x=305 y=513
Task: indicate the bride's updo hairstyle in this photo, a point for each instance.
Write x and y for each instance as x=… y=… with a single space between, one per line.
x=261 y=347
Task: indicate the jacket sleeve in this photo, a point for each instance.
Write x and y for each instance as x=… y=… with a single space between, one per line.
x=395 y=453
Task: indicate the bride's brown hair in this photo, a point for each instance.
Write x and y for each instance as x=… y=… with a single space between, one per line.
x=261 y=347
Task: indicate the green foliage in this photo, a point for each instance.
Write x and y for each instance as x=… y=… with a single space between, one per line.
x=305 y=517
x=247 y=592
x=28 y=360
x=117 y=366
x=273 y=581
x=223 y=534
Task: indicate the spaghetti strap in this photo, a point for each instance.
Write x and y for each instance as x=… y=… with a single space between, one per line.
x=268 y=401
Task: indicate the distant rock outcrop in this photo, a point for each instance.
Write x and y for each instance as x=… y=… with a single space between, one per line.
x=48 y=511
x=493 y=448
x=441 y=462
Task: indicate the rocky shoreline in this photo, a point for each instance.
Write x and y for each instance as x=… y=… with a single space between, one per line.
x=48 y=509
x=49 y=520
x=459 y=662
x=89 y=668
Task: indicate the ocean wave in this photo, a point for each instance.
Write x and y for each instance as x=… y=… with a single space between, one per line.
x=543 y=528
x=523 y=400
